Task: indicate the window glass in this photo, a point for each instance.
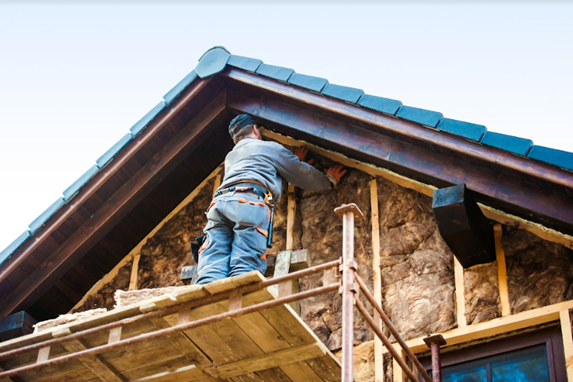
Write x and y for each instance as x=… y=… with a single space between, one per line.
x=522 y=366
x=525 y=365
x=467 y=372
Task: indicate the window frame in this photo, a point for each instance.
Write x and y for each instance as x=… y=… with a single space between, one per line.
x=550 y=336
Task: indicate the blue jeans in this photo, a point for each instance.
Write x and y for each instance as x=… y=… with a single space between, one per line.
x=236 y=237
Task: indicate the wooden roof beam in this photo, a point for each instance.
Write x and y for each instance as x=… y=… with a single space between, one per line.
x=114 y=209
x=439 y=169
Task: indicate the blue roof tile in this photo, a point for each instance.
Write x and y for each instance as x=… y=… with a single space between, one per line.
x=463 y=129
x=177 y=89
x=385 y=105
x=423 y=116
x=143 y=122
x=9 y=250
x=308 y=82
x=212 y=62
x=516 y=145
x=44 y=216
x=79 y=183
x=559 y=158
x=109 y=154
x=276 y=72
x=344 y=93
x=245 y=63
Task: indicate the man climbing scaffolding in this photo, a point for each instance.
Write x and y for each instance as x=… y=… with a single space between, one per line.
x=239 y=224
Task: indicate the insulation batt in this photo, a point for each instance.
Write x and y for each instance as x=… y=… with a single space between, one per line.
x=481 y=291
x=539 y=273
x=319 y=230
x=416 y=264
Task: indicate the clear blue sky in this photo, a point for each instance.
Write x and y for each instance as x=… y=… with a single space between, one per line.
x=75 y=78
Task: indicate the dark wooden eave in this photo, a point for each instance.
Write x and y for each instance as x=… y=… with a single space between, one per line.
x=157 y=170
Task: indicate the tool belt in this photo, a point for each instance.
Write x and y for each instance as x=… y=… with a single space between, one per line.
x=255 y=188
x=259 y=190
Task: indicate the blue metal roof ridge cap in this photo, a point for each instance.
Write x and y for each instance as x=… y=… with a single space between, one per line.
x=44 y=216
x=245 y=63
x=277 y=72
x=79 y=183
x=516 y=145
x=384 y=105
x=312 y=83
x=212 y=62
x=464 y=129
x=6 y=254
x=176 y=91
x=425 y=117
x=561 y=158
x=345 y=93
x=147 y=118
x=113 y=150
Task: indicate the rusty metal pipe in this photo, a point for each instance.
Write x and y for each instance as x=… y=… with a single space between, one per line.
x=348 y=290
x=436 y=364
x=362 y=309
x=434 y=341
x=389 y=325
x=174 y=309
x=174 y=329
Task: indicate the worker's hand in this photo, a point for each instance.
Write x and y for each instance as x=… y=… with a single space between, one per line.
x=301 y=152
x=335 y=173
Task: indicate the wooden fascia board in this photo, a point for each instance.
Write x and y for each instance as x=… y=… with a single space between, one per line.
x=543 y=205
x=93 y=185
x=131 y=193
x=395 y=126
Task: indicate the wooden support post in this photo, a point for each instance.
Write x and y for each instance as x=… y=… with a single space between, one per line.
x=565 y=320
x=43 y=354
x=398 y=373
x=183 y=316
x=376 y=279
x=235 y=301
x=282 y=267
x=460 y=295
x=216 y=184
x=114 y=335
x=501 y=272
x=134 y=271
x=291 y=213
x=94 y=363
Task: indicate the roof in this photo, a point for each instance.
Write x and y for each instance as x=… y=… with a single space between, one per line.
x=167 y=153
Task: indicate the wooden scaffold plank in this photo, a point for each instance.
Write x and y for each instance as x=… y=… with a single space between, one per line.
x=94 y=362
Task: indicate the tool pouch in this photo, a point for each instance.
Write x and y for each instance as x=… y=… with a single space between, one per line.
x=270 y=230
x=195 y=248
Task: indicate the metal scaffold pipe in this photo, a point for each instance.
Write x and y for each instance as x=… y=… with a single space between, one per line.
x=348 y=289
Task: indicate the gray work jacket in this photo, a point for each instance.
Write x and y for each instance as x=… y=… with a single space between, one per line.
x=268 y=163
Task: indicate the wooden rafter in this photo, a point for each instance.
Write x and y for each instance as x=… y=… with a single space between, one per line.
x=63 y=258
x=428 y=190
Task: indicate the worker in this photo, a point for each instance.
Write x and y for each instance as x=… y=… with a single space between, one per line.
x=239 y=225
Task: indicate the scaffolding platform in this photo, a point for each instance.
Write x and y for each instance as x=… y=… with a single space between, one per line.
x=175 y=338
